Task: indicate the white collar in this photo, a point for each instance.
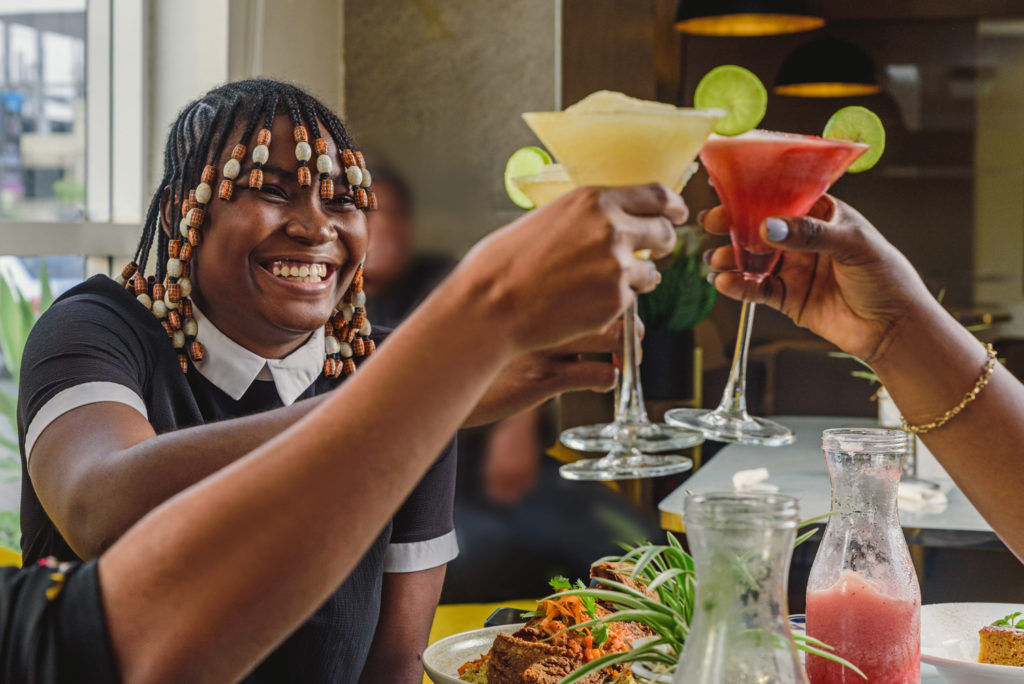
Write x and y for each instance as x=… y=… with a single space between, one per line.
x=233 y=368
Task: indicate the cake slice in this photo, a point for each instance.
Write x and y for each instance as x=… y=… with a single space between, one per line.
x=1001 y=645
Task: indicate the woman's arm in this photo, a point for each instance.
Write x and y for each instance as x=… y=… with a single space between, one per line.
x=841 y=279
x=407 y=605
x=199 y=591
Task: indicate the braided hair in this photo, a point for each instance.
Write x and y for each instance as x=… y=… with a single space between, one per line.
x=198 y=136
x=196 y=142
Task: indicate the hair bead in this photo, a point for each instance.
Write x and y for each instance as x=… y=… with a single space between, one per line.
x=129 y=270
x=192 y=202
x=186 y=270
x=360 y=159
x=173 y=293
x=320 y=146
x=138 y=284
x=173 y=248
x=354 y=175
x=194 y=237
x=190 y=327
x=303 y=152
x=209 y=174
x=186 y=308
x=330 y=365
x=358 y=318
x=238 y=152
x=300 y=134
x=195 y=350
x=203 y=193
x=305 y=178
x=174 y=268
x=358 y=346
x=362 y=201
x=158 y=291
x=263 y=138
x=326 y=188
x=348 y=366
x=226 y=189
x=174 y=318
x=145 y=300
x=183 y=363
x=185 y=252
x=371 y=346
x=371 y=200
x=347 y=158
x=256 y=179
x=195 y=217
x=167 y=328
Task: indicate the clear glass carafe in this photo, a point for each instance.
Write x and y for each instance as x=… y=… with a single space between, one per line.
x=863 y=597
x=741 y=545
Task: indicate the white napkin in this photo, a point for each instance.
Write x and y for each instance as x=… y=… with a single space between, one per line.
x=753 y=481
x=917 y=496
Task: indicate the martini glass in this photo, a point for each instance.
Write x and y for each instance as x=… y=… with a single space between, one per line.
x=610 y=139
x=757 y=175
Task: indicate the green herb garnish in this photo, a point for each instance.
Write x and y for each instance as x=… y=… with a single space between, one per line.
x=1010 y=621
x=600 y=634
x=560 y=583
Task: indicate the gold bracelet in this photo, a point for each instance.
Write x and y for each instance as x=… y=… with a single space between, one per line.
x=986 y=374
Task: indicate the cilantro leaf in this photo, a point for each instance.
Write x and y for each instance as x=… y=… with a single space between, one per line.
x=560 y=583
x=589 y=605
x=600 y=634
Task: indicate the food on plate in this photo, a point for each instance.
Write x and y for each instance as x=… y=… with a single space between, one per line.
x=545 y=650
x=1002 y=642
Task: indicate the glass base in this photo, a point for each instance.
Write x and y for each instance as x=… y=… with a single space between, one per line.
x=625 y=465
x=640 y=437
x=723 y=427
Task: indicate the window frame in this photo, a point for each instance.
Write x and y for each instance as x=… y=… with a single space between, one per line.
x=116 y=144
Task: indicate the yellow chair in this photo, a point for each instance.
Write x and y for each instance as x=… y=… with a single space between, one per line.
x=9 y=557
x=461 y=617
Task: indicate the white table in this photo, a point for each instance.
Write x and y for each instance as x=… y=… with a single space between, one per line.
x=799 y=470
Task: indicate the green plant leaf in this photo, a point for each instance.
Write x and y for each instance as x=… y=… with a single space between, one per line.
x=46 y=293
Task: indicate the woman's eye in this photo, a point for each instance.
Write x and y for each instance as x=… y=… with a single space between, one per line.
x=274 y=191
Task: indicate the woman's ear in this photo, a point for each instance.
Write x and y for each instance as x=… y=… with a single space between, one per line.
x=166 y=211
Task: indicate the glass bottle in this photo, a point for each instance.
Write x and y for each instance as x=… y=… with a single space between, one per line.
x=863 y=597
x=741 y=545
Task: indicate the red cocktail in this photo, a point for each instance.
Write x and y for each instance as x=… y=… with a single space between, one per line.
x=761 y=174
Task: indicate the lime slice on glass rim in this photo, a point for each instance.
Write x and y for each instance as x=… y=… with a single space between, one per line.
x=526 y=161
x=736 y=90
x=860 y=125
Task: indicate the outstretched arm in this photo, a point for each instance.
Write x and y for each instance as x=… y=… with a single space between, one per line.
x=196 y=590
x=841 y=279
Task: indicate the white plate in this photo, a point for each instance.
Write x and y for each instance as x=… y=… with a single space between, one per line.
x=950 y=642
x=443 y=658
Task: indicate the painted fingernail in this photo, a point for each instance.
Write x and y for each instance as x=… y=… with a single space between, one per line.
x=778 y=229
x=700 y=217
x=706 y=256
x=711 y=277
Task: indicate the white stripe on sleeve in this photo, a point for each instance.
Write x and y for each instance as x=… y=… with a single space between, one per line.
x=72 y=398
x=422 y=555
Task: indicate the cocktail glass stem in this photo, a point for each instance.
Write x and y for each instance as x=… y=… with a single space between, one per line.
x=730 y=422
x=629 y=407
x=734 y=399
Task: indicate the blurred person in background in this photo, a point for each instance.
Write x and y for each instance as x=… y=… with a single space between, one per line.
x=516 y=520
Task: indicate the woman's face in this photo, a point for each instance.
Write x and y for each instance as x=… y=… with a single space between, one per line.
x=277 y=227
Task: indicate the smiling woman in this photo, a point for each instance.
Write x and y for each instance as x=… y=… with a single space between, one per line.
x=208 y=403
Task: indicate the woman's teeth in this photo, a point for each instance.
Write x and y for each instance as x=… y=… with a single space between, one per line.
x=299 y=272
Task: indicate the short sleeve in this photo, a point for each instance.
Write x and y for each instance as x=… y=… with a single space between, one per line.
x=423 y=533
x=53 y=628
x=84 y=350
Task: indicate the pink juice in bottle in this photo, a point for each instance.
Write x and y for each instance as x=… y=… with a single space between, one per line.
x=761 y=174
x=879 y=634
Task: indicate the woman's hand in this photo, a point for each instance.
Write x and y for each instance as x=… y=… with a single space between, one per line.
x=569 y=268
x=535 y=376
x=837 y=277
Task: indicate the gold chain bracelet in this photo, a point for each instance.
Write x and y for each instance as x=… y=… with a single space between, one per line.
x=986 y=374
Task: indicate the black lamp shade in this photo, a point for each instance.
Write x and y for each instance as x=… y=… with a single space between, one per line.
x=746 y=17
x=827 y=68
